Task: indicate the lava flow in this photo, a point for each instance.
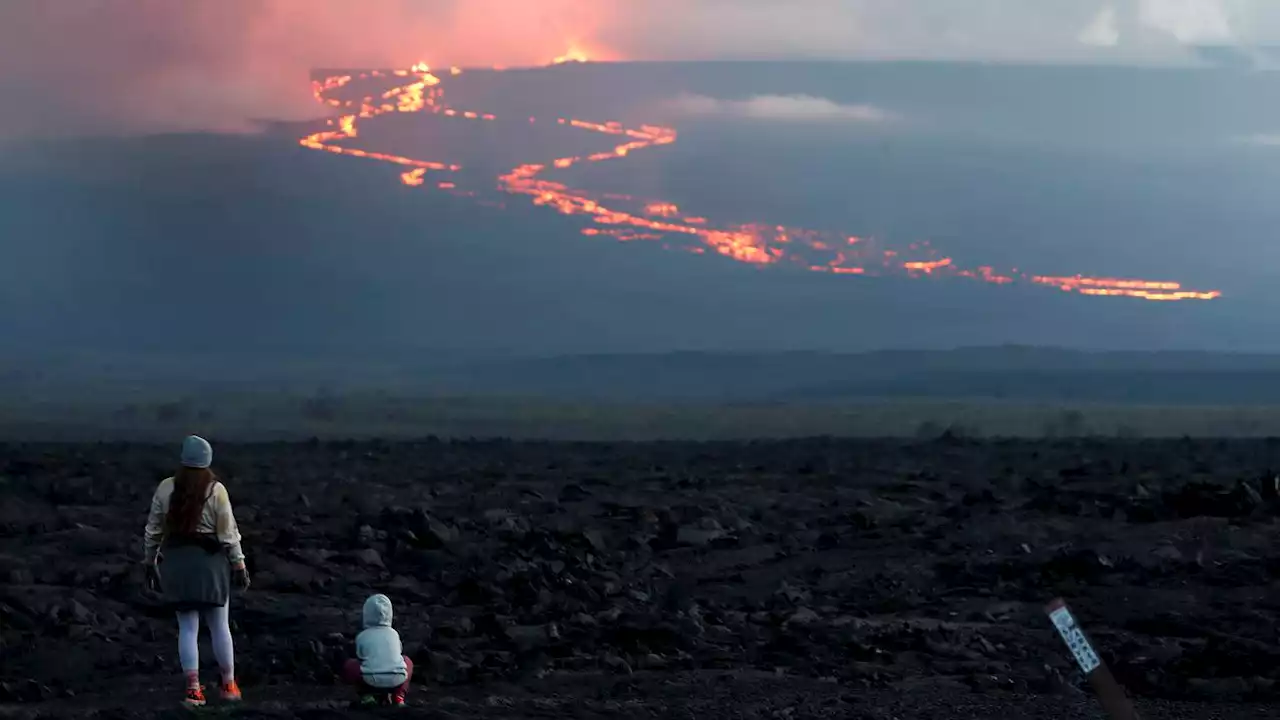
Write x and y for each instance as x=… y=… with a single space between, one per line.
x=626 y=218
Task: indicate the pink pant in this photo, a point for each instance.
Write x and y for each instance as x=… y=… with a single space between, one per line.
x=352 y=676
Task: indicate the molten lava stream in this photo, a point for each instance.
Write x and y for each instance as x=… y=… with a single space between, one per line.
x=626 y=218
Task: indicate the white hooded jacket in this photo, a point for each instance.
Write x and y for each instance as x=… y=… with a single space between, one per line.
x=378 y=646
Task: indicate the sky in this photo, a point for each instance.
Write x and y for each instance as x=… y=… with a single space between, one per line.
x=111 y=66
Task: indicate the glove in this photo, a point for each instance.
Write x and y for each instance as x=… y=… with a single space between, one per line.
x=240 y=577
x=153 y=578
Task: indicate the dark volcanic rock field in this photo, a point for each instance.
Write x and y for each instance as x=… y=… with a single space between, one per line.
x=798 y=579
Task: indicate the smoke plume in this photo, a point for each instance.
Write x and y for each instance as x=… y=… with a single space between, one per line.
x=104 y=66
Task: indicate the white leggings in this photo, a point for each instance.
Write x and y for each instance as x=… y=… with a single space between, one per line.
x=219 y=624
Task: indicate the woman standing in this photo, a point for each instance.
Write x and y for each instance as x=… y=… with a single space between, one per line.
x=193 y=555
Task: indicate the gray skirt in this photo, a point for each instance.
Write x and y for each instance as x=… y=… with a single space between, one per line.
x=193 y=578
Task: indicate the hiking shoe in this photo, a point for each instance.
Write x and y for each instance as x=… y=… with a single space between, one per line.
x=231 y=692
x=368 y=700
x=397 y=700
x=194 y=697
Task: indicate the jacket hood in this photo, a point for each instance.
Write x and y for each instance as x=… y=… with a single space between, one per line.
x=377 y=611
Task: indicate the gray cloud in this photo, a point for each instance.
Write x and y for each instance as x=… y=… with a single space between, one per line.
x=1103 y=30
x=84 y=66
x=1190 y=21
x=785 y=108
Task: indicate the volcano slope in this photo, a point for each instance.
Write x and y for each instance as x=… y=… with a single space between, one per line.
x=801 y=579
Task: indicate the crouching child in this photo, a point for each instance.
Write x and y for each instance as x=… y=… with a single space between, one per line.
x=380 y=672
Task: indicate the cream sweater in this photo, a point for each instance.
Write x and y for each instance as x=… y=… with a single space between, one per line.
x=216 y=518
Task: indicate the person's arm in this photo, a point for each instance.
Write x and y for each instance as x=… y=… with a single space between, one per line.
x=154 y=532
x=228 y=531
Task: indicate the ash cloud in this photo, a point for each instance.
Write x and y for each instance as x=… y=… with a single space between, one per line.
x=111 y=66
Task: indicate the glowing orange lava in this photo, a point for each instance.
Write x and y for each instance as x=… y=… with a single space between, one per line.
x=627 y=219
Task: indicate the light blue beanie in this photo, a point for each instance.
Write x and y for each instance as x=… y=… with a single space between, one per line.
x=196 y=452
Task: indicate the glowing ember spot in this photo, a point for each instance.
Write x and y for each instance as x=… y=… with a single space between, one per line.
x=927 y=267
x=1117 y=287
x=986 y=274
x=1078 y=281
x=626 y=220
x=662 y=209
x=410 y=99
x=574 y=55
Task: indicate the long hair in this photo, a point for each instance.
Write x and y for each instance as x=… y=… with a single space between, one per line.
x=191 y=489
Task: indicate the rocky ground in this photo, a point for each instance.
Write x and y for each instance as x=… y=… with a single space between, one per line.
x=768 y=580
